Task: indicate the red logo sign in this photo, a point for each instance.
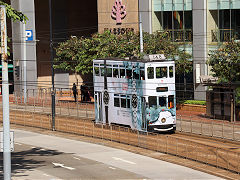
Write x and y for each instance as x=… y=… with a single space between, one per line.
x=118 y=11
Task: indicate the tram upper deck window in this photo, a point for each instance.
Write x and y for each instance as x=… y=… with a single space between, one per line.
x=96 y=71
x=162 y=101
x=161 y=72
x=115 y=71
x=129 y=73
x=122 y=72
x=136 y=75
x=150 y=72
x=170 y=71
x=142 y=74
x=152 y=100
x=109 y=71
x=170 y=101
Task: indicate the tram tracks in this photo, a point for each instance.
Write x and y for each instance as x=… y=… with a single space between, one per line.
x=213 y=151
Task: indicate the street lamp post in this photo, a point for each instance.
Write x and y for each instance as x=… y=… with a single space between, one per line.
x=51 y=56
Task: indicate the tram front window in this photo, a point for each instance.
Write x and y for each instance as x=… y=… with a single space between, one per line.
x=162 y=101
x=152 y=100
x=161 y=72
x=96 y=71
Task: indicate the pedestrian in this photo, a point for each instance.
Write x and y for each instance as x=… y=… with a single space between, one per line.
x=74 y=89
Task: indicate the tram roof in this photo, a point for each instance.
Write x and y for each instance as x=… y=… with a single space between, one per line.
x=134 y=60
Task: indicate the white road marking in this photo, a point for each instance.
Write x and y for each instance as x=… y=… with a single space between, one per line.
x=18 y=144
x=62 y=165
x=46 y=175
x=112 y=168
x=76 y=158
x=119 y=159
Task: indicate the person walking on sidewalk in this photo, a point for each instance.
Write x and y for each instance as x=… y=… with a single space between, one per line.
x=74 y=89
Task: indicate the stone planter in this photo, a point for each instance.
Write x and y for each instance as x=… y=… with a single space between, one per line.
x=192 y=107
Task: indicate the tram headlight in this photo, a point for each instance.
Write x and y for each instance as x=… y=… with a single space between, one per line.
x=163 y=120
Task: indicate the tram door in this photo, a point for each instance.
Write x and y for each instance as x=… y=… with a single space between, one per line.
x=98 y=107
x=144 y=123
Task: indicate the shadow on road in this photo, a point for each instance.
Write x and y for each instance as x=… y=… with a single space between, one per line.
x=24 y=160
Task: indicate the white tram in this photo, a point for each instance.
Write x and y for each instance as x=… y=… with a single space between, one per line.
x=137 y=93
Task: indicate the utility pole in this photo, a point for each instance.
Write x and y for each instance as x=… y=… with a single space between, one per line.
x=51 y=51
x=5 y=98
x=24 y=44
x=141 y=33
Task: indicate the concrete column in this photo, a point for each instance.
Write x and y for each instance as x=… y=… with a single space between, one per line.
x=145 y=8
x=199 y=46
x=27 y=7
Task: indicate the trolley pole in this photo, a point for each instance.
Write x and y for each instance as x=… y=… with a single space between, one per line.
x=53 y=73
x=5 y=98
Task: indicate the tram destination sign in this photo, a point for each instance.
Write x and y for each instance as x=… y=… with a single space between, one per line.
x=155 y=57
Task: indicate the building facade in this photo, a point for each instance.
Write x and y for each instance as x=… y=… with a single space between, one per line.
x=199 y=26
x=31 y=42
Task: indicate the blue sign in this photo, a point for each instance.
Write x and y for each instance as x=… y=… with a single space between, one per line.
x=29 y=35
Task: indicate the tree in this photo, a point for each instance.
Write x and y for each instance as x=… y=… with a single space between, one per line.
x=14 y=14
x=225 y=62
x=76 y=54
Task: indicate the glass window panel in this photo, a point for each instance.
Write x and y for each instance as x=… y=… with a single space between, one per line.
x=116 y=102
x=115 y=73
x=171 y=101
x=129 y=74
x=170 y=71
x=152 y=100
x=161 y=72
x=142 y=74
x=96 y=71
x=162 y=101
x=150 y=72
x=128 y=103
x=123 y=103
x=109 y=72
x=122 y=73
x=102 y=71
x=135 y=75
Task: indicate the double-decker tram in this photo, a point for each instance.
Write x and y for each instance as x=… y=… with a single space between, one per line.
x=139 y=93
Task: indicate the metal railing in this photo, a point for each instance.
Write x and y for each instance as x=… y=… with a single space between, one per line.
x=219 y=157
x=209 y=127
x=179 y=35
x=225 y=35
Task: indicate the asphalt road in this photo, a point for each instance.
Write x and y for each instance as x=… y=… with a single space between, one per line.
x=47 y=157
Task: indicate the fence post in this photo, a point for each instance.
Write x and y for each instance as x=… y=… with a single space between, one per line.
x=233 y=130
x=212 y=127
x=181 y=123
x=167 y=144
x=222 y=129
x=191 y=123
x=68 y=109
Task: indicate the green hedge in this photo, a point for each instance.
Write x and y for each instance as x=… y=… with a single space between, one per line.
x=196 y=102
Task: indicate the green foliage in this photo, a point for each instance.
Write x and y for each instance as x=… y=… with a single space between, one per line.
x=195 y=102
x=225 y=62
x=14 y=14
x=76 y=54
